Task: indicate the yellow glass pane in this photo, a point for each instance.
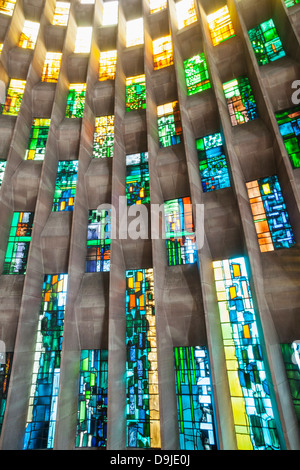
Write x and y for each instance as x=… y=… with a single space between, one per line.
x=234 y=384
x=226 y=330
x=155 y=434
x=232 y=292
x=244 y=442
x=108 y=62
x=239 y=411
x=236 y=270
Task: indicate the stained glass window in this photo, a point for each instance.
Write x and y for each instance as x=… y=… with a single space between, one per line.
x=15 y=261
x=162 y=52
x=29 y=34
x=195 y=404
x=14 y=97
x=51 y=67
x=212 y=162
x=270 y=214
x=98 y=241
x=220 y=26
x=253 y=416
x=2 y=170
x=5 y=372
x=83 y=40
x=76 y=100
x=61 y=14
x=179 y=228
x=137 y=179
x=240 y=101
x=65 y=187
x=169 y=124
x=36 y=146
x=110 y=13
x=196 y=74
x=291 y=358
x=7 y=7
x=143 y=425
x=92 y=403
x=266 y=42
x=186 y=13
x=289 y=126
x=42 y=409
x=157 y=5
x=135 y=93
x=103 y=145
x=108 y=62
x=291 y=3
x=134 y=32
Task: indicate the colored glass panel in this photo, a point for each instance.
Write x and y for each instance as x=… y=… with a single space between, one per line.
x=253 y=416
x=2 y=170
x=270 y=214
x=76 y=100
x=103 y=145
x=110 y=13
x=169 y=124
x=137 y=179
x=92 y=403
x=61 y=14
x=14 y=97
x=51 y=67
x=83 y=40
x=98 y=241
x=179 y=229
x=42 y=409
x=240 y=101
x=29 y=34
x=266 y=42
x=289 y=126
x=212 y=163
x=195 y=405
x=186 y=13
x=291 y=358
x=162 y=52
x=65 y=187
x=157 y=5
x=108 y=62
x=220 y=26
x=5 y=372
x=7 y=7
x=15 y=261
x=36 y=146
x=135 y=93
x=143 y=425
x=196 y=74
x=134 y=32
x=291 y=3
